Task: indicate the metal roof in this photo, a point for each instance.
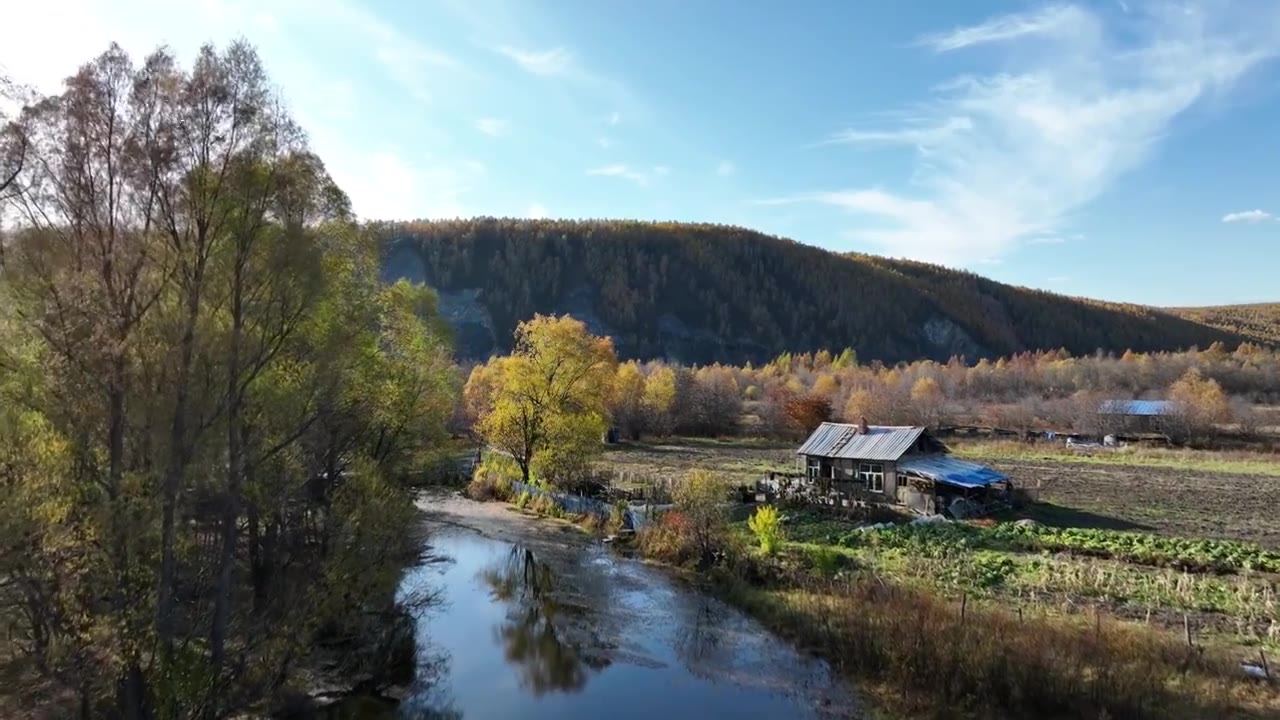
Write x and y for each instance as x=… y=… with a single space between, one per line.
x=843 y=440
x=950 y=470
x=1143 y=408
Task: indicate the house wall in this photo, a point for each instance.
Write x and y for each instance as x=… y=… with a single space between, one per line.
x=846 y=471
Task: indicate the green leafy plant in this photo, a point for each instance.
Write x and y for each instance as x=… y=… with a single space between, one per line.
x=522 y=500
x=767 y=527
x=825 y=561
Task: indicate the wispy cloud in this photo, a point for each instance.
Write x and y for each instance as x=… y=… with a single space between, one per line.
x=555 y=61
x=639 y=177
x=1052 y=19
x=725 y=168
x=914 y=134
x=604 y=142
x=495 y=127
x=1246 y=216
x=536 y=211
x=615 y=117
x=1038 y=142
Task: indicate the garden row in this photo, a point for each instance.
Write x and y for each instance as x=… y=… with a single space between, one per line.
x=1192 y=555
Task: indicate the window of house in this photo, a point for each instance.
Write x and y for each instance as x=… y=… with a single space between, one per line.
x=872 y=474
x=814 y=468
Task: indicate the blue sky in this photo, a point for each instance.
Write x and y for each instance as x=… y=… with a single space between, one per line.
x=1121 y=150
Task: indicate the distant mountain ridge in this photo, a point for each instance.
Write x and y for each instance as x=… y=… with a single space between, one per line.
x=700 y=293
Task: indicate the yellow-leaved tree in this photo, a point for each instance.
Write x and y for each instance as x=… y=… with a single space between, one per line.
x=548 y=402
x=1201 y=405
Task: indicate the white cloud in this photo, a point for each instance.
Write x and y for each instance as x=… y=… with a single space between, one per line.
x=536 y=211
x=1050 y=20
x=639 y=177
x=1046 y=240
x=1249 y=216
x=914 y=134
x=604 y=142
x=615 y=118
x=495 y=127
x=555 y=61
x=725 y=168
x=1052 y=131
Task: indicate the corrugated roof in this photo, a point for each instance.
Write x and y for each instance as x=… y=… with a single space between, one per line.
x=1144 y=408
x=950 y=470
x=842 y=440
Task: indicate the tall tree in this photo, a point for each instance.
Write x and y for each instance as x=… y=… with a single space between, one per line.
x=549 y=403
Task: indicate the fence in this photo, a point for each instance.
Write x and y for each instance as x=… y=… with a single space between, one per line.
x=633 y=517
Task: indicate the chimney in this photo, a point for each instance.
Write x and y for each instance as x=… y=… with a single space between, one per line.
x=862 y=426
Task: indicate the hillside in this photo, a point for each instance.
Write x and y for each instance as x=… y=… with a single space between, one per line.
x=704 y=293
x=1259 y=321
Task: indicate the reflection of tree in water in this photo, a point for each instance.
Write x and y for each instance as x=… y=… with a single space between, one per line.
x=702 y=642
x=530 y=639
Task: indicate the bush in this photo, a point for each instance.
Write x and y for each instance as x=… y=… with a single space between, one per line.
x=824 y=561
x=767 y=528
x=522 y=500
x=488 y=485
x=617 y=518
x=669 y=538
x=700 y=502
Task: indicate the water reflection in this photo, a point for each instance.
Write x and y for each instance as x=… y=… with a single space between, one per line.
x=531 y=641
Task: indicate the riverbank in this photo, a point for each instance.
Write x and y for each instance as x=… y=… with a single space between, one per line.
x=540 y=619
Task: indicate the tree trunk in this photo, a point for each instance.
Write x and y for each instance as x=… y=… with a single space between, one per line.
x=173 y=475
x=235 y=473
x=255 y=556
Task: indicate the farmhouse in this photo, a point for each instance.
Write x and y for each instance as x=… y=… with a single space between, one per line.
x=895 y=465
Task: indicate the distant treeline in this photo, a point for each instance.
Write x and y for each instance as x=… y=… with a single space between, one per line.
x=698 y=293
x=790 y=394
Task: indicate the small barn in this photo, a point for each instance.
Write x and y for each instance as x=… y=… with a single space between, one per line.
x=1136 y=416
x=898 y=465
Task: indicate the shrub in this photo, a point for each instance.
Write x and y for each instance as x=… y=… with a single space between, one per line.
x=767 y=528
x=489 y=483
x=824 y=561
x=669 y=538
x=617 y=518
x=700 y=502
x=522 y=500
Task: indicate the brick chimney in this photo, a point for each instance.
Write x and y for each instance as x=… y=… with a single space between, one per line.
x=862 y=426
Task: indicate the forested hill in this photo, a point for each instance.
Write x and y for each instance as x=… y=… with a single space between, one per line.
x=703 y=293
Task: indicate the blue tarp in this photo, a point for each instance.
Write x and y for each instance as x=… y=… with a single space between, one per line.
x=949 y=470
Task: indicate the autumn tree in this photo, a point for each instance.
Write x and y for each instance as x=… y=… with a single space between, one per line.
x=549 y=403
x=927 y=401
x=807 y=412
x=1201 y=404
x=626 y=403
x=659 y=400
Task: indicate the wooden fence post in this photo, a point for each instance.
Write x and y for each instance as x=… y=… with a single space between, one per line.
x=1186 y=628
x=964 y=605
x=1266 y=669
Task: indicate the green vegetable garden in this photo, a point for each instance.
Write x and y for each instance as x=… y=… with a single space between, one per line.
x=1192 y=555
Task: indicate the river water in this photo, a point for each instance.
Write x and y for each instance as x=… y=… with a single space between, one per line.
x=530 y=619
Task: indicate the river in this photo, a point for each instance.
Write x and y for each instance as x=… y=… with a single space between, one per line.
x=533 y=619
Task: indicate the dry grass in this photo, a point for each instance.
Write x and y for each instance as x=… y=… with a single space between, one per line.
x=1234 y=462
x=931 y=657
